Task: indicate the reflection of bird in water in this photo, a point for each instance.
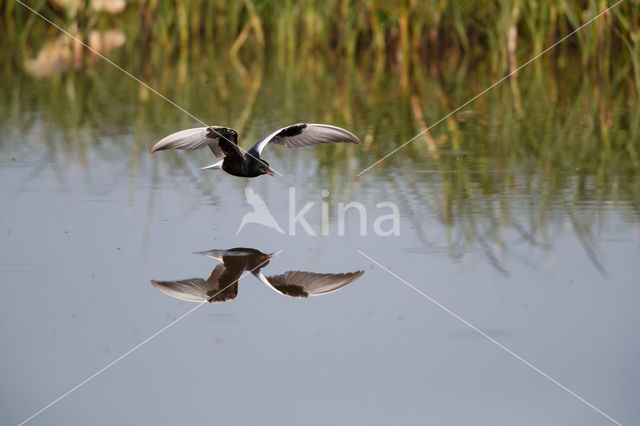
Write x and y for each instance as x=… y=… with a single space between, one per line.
x=307 y=284
x=222 y=285
x=260 y=213
x=223 y=142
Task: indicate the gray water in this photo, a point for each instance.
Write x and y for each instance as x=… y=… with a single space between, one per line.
x=533 y=241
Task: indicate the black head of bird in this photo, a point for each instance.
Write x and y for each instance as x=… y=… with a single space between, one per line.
x=223 y=142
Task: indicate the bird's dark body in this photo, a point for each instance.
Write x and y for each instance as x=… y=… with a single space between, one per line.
x=249 y=167
x=235 y=162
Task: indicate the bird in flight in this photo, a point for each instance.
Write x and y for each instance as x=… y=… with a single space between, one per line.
x=223 y=142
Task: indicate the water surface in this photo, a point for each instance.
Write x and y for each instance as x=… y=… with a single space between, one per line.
x=519 y=214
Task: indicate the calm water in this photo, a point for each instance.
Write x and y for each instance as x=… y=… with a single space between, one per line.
x=520 y=215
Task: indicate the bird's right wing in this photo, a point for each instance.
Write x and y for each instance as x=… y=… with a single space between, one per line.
x=199 y=137
x=305 y=134
x=307 y=284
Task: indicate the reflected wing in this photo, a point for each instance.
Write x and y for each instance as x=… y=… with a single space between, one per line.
x=307 y=284
x=302 y=134
x=199 y=137
x=198 y=289
x=190 y=290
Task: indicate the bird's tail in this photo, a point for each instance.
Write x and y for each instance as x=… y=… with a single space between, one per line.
x=216 y=165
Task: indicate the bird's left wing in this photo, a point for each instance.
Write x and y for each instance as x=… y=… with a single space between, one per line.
x=198 y=289
x=303 y=134
x=190 y=290
x=200 y=137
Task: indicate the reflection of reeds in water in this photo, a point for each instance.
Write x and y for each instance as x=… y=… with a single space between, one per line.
x=551 y=141
x=565 y=143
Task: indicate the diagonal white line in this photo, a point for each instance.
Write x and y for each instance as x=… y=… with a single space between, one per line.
x=106 y=367
x=136 y=347
x=491 y=339
x=137 y=79
x=492 y=86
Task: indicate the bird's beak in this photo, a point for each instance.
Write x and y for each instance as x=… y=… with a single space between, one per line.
x=269 y=172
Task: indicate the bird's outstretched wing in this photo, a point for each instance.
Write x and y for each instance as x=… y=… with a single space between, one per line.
x=199 y=137
x=308 y=284
x=303 y=134
x=198 y=289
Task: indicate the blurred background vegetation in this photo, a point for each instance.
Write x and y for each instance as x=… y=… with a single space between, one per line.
x=562 y=135
x=403 y=34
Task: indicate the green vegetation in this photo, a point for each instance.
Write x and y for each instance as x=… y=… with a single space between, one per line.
x=561 y=137
x=404 y=33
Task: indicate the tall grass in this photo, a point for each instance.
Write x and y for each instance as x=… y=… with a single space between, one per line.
x=402 y=33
